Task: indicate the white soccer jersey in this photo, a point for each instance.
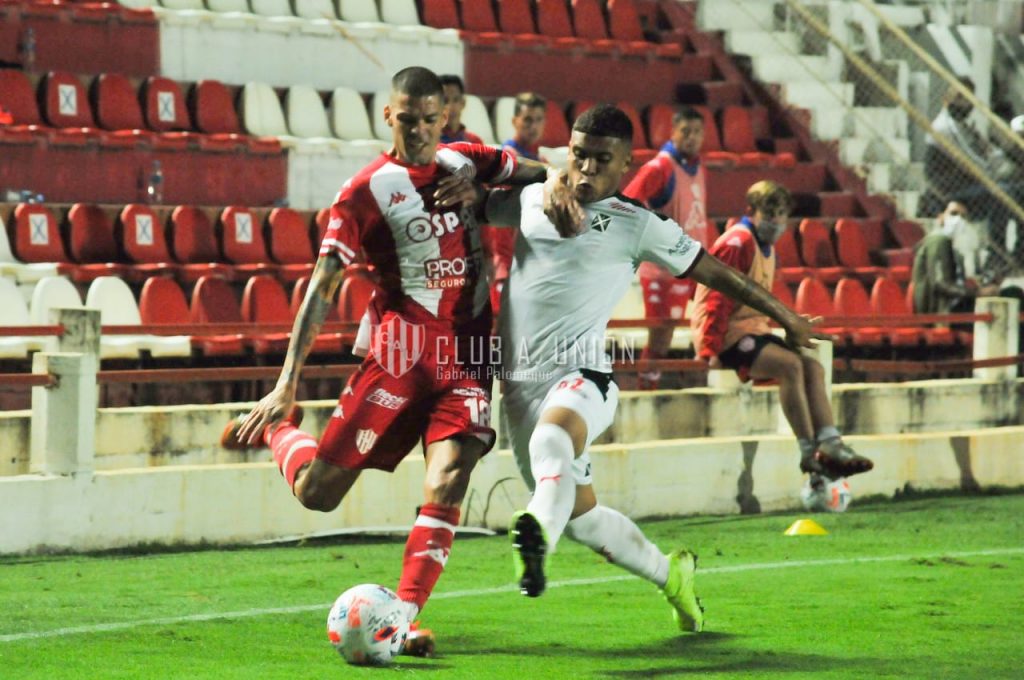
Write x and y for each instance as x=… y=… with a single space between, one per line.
x=561 y=291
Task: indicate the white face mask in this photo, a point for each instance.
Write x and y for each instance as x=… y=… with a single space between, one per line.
x=769 y=231
x=953 y=224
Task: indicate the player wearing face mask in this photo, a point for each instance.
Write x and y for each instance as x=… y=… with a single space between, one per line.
x=731 y=335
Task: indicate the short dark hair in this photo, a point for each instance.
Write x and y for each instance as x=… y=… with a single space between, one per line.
x=417 y=81
x=605 y=120
x=686 y=113
x=452 y=79
x=528 y=100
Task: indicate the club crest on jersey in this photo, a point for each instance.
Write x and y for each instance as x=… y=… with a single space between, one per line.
x=398 y=345
x=600 y=222
x=365 y=439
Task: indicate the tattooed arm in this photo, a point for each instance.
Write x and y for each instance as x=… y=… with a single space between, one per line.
x=276 y=405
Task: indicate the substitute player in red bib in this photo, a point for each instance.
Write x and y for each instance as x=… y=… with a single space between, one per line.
x=673 y=183
x=420 y=381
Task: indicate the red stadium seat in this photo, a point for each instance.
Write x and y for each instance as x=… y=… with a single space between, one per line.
x=165 y=105
x=356 y=291
x=516 y=17
x=738 y=136
x=289 y=243
x=852 y=300
x=556 y=131
x=588 y=19
x=659 y=124
x=299 y=293
x=812 y=299
x=36 y=235
x=65 y=101
x=478 y=16
x=213 y=108
x=144 y=242
x=241 y=241
x=783 y=292
x=92 y=244
x=163 y=302
x=623 y=20
x=264 y=301
x=639 y=135
x=787 y=259
x=712 y=151
x=888 y=300
x=117 y=104
x=213 y=301
x=852 y=250
x=553 y=19
x=440 y=13
x=322 y=219
x=193 y=243
x=817 y=252
x=907 y=232
x=18 y=97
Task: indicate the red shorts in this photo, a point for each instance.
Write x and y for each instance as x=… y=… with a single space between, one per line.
x=665 y=296
x=383 y=411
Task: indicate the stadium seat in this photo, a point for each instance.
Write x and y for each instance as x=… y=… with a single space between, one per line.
x=22 y=272
x=478 y=16
x=738 y=136
x=315 y=10
x=659 y=124
x=241 y=240
x=307 y=118
x=163 y=302
x=322 y=219
x=143 y=241
x=623 y=21
x=165 y=105
x=15 y=314
x=289 y=244
x=556 y=130
x=65 y=101
x=213 y=108
x=18 y=97
x=504 y=110
x=91 y=243
x=227 y=5
x=117 y=103
x=888 y=300
x=639 y=135
x=356 y=290
x=351 y=124
x=515 y=17
x=440 y=13
x=213 y=301
x=477 y=120
x=907 y=232
x=852 y=300
x=261 y=111
x=380 y=127
x=37 y=237
x=117 y=306
x=52 y=292
x=271 y=8
x=554 y=22
x=852 y=250
x=783 y=292
x=193 y=243
x=787 y=258
x=812 y=299
x=264 y=301
x=399 y=12
x=711 y=151
x=588 y=20
x=358 y=11
x=817 y=252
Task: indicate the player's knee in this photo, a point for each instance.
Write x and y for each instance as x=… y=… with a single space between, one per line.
x=315 y=495
x=549 y=439
x=812 y=369
x=791 y=368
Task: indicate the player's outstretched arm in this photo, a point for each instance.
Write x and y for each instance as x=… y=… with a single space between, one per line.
x=276 y=405
x=713 y=274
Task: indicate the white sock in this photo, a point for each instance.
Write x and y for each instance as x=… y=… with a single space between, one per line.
x=551 y=456
x=620 y=540
x=411 y=611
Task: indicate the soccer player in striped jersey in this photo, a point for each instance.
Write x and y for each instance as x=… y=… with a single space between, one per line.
x=422 y=380
x=559 y=394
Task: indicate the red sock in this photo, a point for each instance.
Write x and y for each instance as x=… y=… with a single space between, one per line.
x=292 y=448
x=426 y=552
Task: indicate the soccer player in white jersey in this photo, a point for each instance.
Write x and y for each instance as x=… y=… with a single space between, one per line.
x=558 y=388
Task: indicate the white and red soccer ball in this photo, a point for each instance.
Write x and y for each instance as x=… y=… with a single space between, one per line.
x=368 y=625
x=820 y=494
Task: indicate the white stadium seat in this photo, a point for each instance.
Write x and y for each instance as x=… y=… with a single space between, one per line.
x=117 y=306
x=380 y=126
x=52 y=292
x=399 y=12
x=504 y=109
x=358 y=11
x=315 y=9
x=228 y=5
x=183 y=4
x=271 y=8
x=306 y=116
x=261 y=111
x=15 y=314
x=476 y=120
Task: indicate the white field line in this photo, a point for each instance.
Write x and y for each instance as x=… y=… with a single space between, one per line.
x=477 y=592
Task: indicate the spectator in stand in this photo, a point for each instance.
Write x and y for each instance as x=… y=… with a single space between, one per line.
x=731 y=335
x=942 y=284
x=947 y=178
x=674 y=183
x=499 y=244
x=454 y=102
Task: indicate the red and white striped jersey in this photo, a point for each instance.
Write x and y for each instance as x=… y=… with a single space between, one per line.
x=428 y=258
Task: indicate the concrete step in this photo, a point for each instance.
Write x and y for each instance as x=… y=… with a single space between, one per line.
x=906 y=202
x=788 y=68
x=761 y=42
x=884 y=178
x=861 y=150
x=877 y=121
x=811 y=95
x=729 y=15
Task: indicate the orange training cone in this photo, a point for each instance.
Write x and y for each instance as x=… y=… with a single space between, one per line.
x=805 y=527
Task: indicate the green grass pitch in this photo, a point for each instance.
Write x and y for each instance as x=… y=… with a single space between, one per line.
x=928 y=588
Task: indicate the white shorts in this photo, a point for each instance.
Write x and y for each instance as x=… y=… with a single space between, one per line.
x=592 y=395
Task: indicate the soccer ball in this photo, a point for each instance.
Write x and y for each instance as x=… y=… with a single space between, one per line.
x=820 y=494
x=368 y=625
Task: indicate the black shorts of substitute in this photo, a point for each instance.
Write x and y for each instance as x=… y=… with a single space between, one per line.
x=741 y=355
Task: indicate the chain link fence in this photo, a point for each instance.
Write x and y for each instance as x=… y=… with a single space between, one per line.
x=915 y=131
